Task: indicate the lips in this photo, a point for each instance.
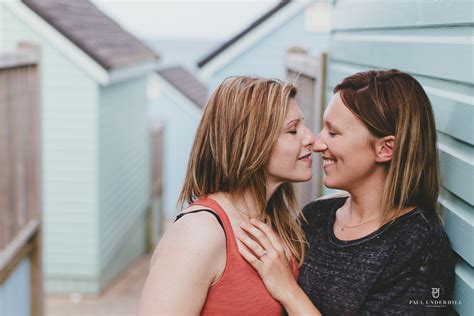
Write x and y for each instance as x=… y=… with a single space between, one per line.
x=327 y=162
x=305 y=156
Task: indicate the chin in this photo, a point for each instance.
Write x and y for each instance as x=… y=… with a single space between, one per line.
x=303 y=179
x=330 y=184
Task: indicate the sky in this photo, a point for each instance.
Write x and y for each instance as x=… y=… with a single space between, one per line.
x=178 y=19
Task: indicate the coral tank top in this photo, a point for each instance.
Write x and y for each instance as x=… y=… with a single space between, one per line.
x=240 y=290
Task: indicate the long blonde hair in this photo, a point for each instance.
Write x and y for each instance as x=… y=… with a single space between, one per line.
x=391 y=102
x=239 y=127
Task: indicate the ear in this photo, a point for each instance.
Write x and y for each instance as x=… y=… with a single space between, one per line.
x=384 y=148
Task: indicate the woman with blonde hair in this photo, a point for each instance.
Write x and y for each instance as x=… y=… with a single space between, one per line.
x=382 y=249
x=250 y=145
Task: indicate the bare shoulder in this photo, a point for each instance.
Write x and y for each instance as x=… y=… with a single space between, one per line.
x=188 y=259
x=193 y=233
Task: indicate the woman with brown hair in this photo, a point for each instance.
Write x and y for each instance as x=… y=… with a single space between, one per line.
x=250 y=145
x=382 y=249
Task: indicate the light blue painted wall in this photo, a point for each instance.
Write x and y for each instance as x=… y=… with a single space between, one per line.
x=95 y=168
x=15 y=292
x=180 y=126
x=69 y=148
x=124 y=174
x=266 y=58
x=432 y=40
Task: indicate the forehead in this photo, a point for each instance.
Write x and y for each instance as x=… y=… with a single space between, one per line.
x=293 y=111
x=337 y=113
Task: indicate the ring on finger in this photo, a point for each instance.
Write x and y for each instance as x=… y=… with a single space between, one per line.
x=262 y=254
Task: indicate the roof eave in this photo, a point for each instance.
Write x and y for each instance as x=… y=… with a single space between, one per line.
x=99 y=73
x=252 y=37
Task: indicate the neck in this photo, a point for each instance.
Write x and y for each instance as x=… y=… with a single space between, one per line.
x=246 y=203
x=366 y=198
x=272 y=186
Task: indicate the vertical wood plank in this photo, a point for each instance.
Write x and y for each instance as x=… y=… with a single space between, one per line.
x=36 y=275
x=3 y=162
x=9 y=227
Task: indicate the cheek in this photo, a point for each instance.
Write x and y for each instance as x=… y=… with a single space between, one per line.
x=287 y=150
x=350 y=149
x=284 y=153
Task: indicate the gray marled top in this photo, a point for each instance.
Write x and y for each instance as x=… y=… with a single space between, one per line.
x=394 y=270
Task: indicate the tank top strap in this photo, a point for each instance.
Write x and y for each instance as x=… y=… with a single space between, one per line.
x=229 y=231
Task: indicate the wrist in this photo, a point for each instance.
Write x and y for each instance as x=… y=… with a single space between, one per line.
x=296 y=302
x=291 y=295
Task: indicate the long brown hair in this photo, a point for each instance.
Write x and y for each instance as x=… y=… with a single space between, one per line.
x=394 y=103
x=239 y=127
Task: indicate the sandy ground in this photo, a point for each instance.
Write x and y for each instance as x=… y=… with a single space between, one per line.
x=119 y=299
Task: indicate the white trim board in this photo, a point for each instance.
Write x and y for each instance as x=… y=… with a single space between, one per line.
x=118 y=75
x=74 y=53
x=249 y=39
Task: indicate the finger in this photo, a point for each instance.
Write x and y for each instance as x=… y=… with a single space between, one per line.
x=258 y=235
x=251 y=244
x=250 y=257
x=271 y=235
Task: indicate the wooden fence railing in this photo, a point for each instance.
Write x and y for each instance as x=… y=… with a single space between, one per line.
x=20 y=168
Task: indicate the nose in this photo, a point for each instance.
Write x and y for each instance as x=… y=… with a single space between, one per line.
x=319 y=144
x=309 y=138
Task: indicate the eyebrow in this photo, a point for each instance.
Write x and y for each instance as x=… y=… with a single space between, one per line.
x=294 y=121
x=331 y=124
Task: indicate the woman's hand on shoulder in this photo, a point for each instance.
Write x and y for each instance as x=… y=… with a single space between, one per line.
x=188 y=259
x=263 y=249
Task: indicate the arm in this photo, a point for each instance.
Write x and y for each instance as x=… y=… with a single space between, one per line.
x=186 y=262
x=265 y=252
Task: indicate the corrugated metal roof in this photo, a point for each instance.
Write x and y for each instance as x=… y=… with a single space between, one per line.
x=100 y=37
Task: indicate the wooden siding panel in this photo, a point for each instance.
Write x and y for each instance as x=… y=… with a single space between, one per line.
x=458 y=219
x=404 y=13
x=124 y=173
x=457 y=167
x=453 y=106
x=422 y=53
x=464 y=288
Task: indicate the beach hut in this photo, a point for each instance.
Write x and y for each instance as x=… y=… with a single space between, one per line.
x=177 y=98
x=260 y=48
x=95 y=138
x=432 y=40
